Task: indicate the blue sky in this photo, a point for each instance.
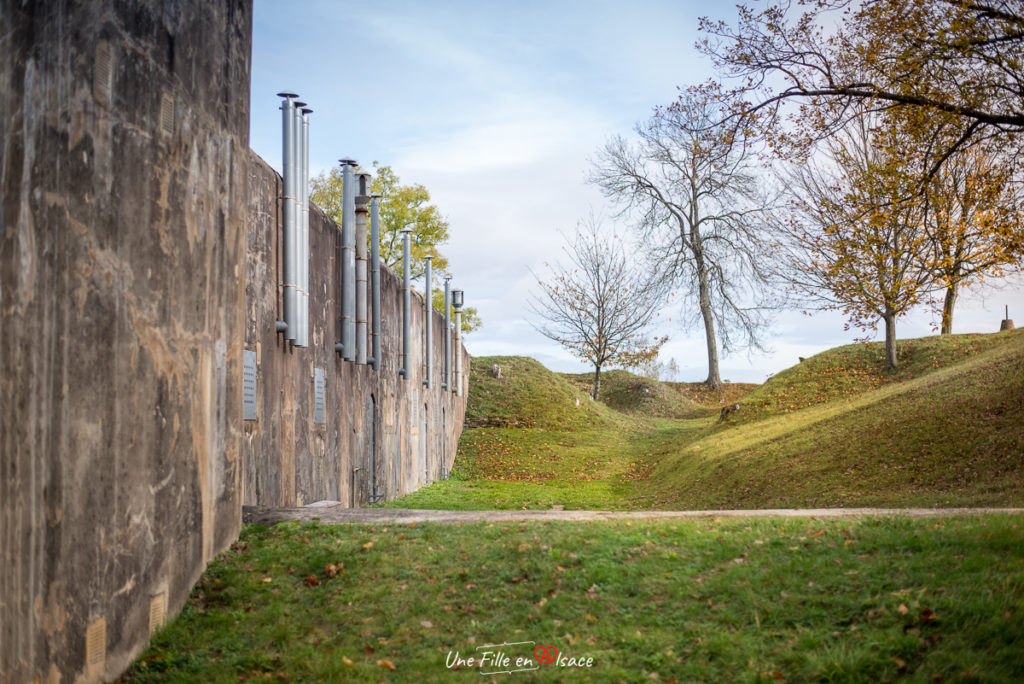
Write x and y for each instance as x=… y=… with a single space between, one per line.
x=496 y=107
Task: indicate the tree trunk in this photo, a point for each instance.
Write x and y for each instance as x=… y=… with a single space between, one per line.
x=714 y=380
x=597 y=382
x=947 y=309
x=891 y=362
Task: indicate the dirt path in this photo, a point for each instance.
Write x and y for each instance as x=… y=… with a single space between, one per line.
x=337 y=514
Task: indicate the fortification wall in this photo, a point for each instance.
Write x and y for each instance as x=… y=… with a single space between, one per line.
x=374 y=421
x=125 y=163
x=138 y=264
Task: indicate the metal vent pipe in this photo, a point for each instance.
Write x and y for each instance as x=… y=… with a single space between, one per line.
x=304 y=228
x=457 y=305
x=447 y=333
x=289 y=261
x=361 y=200
x=406 y=302
x=348 y=260
x=428 y=322
x=375 y=279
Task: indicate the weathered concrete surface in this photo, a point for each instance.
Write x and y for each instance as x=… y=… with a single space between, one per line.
x=291 y=460
x=337 y=515
x=124 y=141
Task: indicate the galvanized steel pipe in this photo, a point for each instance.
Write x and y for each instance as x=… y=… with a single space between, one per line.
x=375 y=278
x=289 y=294
x=457 y=305
x=406 y=302
x=348 y=261
x=447 y=333
x=362 y=199
x=428 y=322
x=303 y=285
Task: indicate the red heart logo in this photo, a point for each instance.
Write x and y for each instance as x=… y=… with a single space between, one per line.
x=545 y=654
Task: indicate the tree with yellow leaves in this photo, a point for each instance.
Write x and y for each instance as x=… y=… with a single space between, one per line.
x=957 y=64
x=974 y=223
x=854 y=238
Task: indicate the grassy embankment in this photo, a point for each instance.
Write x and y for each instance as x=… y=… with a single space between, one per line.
x=769 y=600
x=947 y=429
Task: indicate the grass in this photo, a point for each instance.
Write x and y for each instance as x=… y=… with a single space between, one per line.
x=848 y=371
x=634 y=394
x=769 y=600
x=947 y=429
x=596 y=467
x=527 y=395
x=947 y=437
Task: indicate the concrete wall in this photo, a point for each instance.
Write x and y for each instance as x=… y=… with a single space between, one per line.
x=139 y=259
x=290 y=460
x=125 y=162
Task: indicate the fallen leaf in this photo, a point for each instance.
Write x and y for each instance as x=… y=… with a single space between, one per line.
x=426 y=623
x=384 y=662
x=928 y=616
x=903 y=610
x=367 y=544
x=348 y=661
x=312 y=581
x=268 y=579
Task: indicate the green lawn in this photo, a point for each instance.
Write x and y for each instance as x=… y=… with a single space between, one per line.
x=947 y=429
x=756 y=600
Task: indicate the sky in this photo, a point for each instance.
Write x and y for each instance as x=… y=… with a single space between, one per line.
x=498 y=108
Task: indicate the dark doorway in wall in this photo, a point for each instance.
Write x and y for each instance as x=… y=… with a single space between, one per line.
x=375 y=495
x=426 y=450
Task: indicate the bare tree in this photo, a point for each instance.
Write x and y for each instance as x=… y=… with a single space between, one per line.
x=700 y=210
x=600 y=305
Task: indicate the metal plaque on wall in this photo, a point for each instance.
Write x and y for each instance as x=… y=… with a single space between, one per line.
x=319 y=392
x=248 y=385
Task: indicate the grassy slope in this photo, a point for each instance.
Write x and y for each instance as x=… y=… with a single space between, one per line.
x=947 y=429
x=637 y=395
x=952 y=436
x=853 y=369
x=527 y=395
x=533 y=440
x=797 y=600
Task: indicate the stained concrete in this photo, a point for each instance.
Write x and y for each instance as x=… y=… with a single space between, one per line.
x=291 y=460
x=124 y=141
x=140 y=256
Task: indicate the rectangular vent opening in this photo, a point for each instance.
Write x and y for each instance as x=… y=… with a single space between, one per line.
x=157 y=612
x=96 y=644
x=167 y=115
x=103 y=76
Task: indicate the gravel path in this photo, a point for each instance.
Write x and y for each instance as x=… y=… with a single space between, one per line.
x=337 y=514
